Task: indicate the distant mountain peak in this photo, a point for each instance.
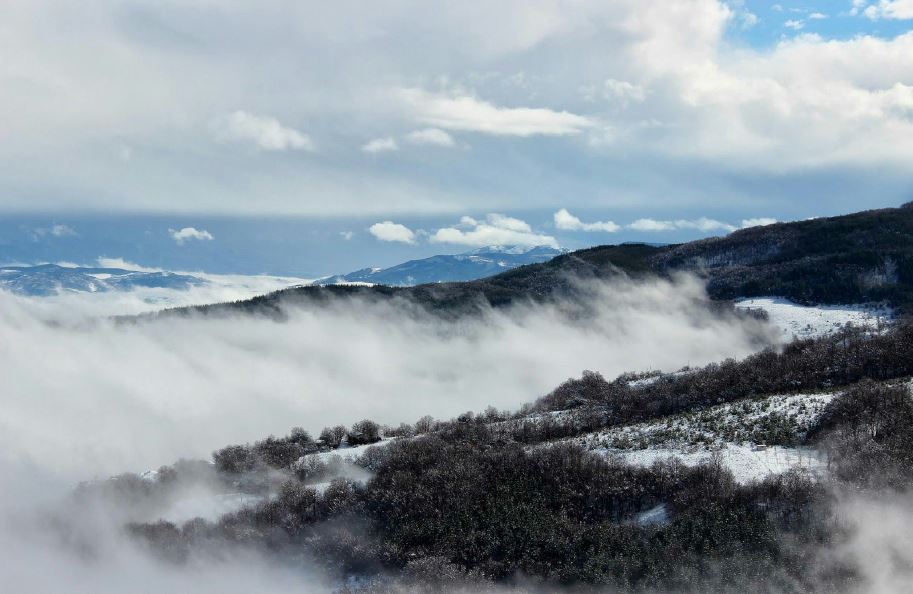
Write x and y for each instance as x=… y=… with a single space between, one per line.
x=474 y=264
x=515 y=250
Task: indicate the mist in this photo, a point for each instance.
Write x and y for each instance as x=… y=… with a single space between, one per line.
x=106 y=398
x=880 y=542
x=85 y=397
x=217 y=288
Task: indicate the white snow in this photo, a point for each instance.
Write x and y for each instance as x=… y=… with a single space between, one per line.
x=747 y=463
x=803 y=321
x=344 y=283
x=658 y=375
x=656 y=515
x=734 y=421
x=725 y=430
x=348 y=454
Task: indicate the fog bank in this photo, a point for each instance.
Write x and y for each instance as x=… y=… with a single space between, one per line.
x=85 y=396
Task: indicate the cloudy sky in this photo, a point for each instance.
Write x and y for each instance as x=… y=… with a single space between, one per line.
x=303 y=137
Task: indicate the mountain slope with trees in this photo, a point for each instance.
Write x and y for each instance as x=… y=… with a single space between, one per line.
x=856 y=258
x=500 y=498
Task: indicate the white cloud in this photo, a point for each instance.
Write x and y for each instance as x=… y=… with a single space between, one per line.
x=568 y=222
x=651 y=225
x=890 y=9
x=431 y=136
x=380 y=145
x=623 y=91
x=464 y=112
x=817 y=16
x=188 y=233
x=124 y=265
x=347 y=235
x=265 y=132
x=749 y=20
x=794 y=24
x=505 y=222
x=705 y=225
x=758 y=222
x=55 y=230
x=390 y=231
x=807 y=106
x=497 y=229
x=794 y=105
x=702 y=224
x=62 y=231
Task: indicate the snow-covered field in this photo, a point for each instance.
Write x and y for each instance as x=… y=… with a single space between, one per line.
x=348 y=454
x=766 y=420
x=740 y=433
x=746 y=462
x=810 y=321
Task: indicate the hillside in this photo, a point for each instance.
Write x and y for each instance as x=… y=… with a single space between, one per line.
x=535 y=282
x=866 y=256
x=578 y=489
x=856 y=258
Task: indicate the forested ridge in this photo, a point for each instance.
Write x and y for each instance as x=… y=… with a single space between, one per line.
x=856 y=258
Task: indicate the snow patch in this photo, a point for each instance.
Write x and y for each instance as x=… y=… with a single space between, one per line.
x=655 y=516
x=735 y=432
x=747 y=463
x=348 y=454
x=803 y=321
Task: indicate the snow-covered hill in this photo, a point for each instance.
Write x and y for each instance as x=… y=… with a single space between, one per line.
x=802 y=321
x=52 y=279
x=471 y=265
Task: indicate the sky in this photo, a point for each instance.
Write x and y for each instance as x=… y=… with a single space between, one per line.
x=310 y=138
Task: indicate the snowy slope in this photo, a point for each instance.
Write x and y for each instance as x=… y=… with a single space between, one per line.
x=747 y=463
x=348 y=454
x=51 y=279
x=803 y=321
x=448 y=268
x=739 y=433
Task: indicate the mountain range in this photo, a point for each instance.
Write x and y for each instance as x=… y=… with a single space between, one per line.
x=486 y=261
x=51 y=279
x=863 y=257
